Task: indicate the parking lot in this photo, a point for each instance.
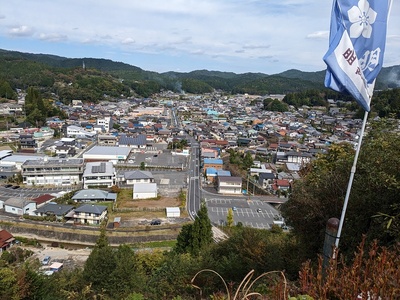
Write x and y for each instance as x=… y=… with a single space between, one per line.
x=29 y=193
x=251 y=213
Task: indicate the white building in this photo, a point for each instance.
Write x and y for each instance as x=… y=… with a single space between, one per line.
x=106 y=122
x=79 y=132
x=19 y=206
x=144 y=190
x=99 y=174
x=107 y=153
x=90 y=214
x=52 y=171
x=229 y=185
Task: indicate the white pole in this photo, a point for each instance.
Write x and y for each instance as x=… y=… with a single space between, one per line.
x=352 y=172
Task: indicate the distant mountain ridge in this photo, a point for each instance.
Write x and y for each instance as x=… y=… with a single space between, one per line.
x=288 y=81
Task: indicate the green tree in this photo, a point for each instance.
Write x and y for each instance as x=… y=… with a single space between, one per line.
x=319 y=195
x=247 y=160
x=201 y=231
x=195 y=237
x=184 y=239
x=8 y=284
x=229 y=218
x=128 y=274
x=100 y=264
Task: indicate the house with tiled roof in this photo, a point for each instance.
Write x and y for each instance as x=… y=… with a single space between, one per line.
x=43 y=199
x=132 y=177
x=6 y=240
x=90 y=214
x=54 y=209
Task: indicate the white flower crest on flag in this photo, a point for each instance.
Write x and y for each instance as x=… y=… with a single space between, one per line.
x=362 y=18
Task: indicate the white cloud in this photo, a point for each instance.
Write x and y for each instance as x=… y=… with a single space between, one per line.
x=318 y=35
x=54 y=37
x=128 y=41
x=225 y=31
x=21 y=31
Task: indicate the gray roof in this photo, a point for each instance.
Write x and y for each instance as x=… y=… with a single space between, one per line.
x=92 y=194
x=54 y=162
x=91 y=208
x=138 y=175
x=104 y=168
x=108 y=150
x=138 y=140
x=17 y=202
x=144 y=187
x=54 y=208
x=230 y=179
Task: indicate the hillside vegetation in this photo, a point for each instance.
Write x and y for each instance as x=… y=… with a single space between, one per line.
x=102 y=77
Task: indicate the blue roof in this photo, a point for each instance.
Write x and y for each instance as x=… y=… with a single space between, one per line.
x=213 y=161
x=211 y=171
x=223 y=173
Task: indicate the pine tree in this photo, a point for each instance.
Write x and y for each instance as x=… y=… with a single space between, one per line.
x=99 y=265
x=201 y=231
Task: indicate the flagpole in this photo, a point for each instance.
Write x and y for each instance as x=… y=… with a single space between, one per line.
x=350 y=183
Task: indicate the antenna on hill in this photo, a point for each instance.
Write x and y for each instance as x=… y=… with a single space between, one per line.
x=83 y=65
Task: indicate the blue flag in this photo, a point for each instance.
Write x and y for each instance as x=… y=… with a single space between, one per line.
x=356 y=47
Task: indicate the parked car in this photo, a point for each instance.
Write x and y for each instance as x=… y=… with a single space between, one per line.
x=8 y=185
x=46 y=260
x=259 y=210
x=14 y=187
x=234 y=208
x=155 y=222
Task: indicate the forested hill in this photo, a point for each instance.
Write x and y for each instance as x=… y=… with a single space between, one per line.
x=26 y=69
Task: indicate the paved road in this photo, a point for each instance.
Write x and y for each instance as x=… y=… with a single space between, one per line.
x=194 y=191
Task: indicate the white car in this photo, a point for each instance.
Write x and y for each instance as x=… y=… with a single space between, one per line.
x=46 y=260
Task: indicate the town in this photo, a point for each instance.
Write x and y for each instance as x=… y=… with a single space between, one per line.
x=145 y=145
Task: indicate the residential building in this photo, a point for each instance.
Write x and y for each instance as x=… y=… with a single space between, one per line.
x=229 y=185
x=54 y=209
x=106 y=123
x=90 y=214
x=59 y=172
x=90 y=195
x=138 y=176
x=99 y=174
x=6 y=240
x=27 y=143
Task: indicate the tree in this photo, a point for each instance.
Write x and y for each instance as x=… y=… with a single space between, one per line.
x=128 y=274
x=319 y=195
x=99 y=265
x=229 y=218
x=247 y=160
x=195 y=237
x=201 y=231
x=184 y=239
x=8 y=284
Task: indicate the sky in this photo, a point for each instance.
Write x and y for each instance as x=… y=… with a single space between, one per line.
x=240 y=36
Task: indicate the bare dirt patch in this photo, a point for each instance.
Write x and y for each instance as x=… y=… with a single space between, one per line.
x=140 y=213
